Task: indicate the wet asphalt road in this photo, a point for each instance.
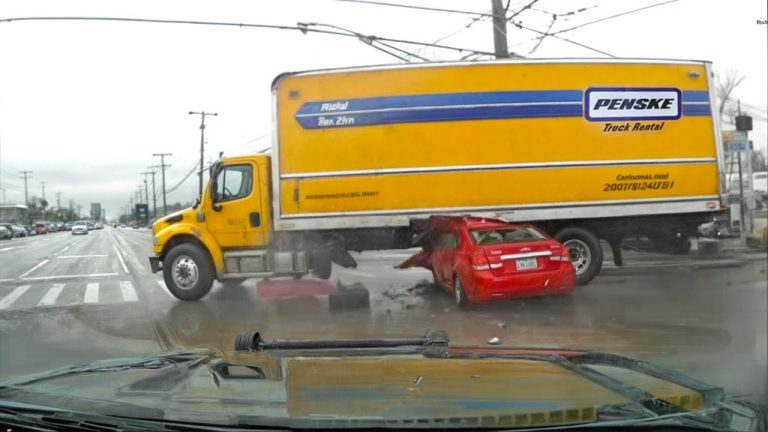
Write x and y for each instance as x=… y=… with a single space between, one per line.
x=66 y=299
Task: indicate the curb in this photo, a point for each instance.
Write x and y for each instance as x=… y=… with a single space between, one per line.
x=646 y=268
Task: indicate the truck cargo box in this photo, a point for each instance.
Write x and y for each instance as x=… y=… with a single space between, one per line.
x=521 y=140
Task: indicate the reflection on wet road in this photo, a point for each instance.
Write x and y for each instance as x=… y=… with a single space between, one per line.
x=707 y=322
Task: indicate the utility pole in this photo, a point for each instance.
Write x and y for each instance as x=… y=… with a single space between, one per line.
x=146 y=187
x=202 y=115
x=58 y=200
x=499 y=30
x=163 y=166
x=154 y=195
x=26 y=175
x=43 y=183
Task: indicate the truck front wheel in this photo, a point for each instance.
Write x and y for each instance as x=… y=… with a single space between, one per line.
x=321 y=265
x=585 y=252
x=188 y=272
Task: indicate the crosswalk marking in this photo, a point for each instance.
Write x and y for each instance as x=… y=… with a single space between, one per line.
x=91 y=293
x=15 y=294
x=129 y=294
x=50 y=297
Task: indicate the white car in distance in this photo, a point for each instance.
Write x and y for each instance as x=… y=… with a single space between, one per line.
x=80 y=227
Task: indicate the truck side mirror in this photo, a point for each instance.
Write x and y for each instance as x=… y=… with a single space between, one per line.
x=214 y=195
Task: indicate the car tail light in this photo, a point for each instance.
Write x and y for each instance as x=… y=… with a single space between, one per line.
x=564 y=256
x=480 y=263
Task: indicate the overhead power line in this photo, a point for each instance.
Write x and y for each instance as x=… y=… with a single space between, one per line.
x=426 y=8
x=554 y=35
x=246 y=25
x=615 y=16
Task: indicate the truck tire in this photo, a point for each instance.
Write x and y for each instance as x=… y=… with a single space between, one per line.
x=585 y=250
x=321 y=265
x=188 y=272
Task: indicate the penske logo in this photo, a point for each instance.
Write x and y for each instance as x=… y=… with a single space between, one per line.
x=603 y=104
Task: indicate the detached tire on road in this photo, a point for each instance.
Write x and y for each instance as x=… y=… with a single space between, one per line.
x=349 y=298
x=585 y=250
x=188 y=272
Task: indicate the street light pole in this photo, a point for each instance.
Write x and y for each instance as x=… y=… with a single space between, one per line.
x=154 y=194
x=202 y=115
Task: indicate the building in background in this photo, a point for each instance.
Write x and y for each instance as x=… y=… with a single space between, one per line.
x=96 y=211
x=14 y=213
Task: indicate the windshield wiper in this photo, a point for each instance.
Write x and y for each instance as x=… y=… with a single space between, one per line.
x=189 y=358
x=254 y=342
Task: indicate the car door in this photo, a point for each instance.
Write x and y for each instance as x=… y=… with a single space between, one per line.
x=231 y=217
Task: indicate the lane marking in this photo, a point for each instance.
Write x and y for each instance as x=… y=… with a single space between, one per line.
x=7 y=249
x=65 y=248
x=6 y=280
x=13 y=296
x=50 y=297
x=33 y=269
x=91 y=293
x=165 y=289
x=80 y=256
x=69 y=276
x=129 y=294
x=120 y=257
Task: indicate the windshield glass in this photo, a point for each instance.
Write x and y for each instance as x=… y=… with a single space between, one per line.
x=575 y=188
x=505 y=235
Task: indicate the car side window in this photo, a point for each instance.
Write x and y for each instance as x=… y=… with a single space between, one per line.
x=234 y=182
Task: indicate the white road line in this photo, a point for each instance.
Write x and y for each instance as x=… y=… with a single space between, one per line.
x=7 y=249
x=5 y=280
x=13 y=296
x=65 y=248
x=165 y=289
x=69 y=276
x=33 y=269
x=80 y=256
x=50 y=297
x=120 y=257
x=91 y=293
x=129 y=294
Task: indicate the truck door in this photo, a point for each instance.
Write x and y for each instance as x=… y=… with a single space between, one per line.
x=234 y=217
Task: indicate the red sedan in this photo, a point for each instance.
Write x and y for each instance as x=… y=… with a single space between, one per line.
x=479 y=259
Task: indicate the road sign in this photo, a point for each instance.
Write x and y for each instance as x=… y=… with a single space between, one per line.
x=142 y=214
x=735 y=141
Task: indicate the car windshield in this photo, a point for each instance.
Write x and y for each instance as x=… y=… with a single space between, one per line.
x=505 y=235
x=371 y=214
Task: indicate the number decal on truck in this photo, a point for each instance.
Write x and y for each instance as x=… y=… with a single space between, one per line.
x=635 y=186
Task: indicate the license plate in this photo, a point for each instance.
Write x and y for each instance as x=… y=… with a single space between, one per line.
x=526 y=264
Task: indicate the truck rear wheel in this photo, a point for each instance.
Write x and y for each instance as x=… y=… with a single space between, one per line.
x=585 y=251
x=188 y=272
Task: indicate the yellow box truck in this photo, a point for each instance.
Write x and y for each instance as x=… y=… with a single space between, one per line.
x=585 y=149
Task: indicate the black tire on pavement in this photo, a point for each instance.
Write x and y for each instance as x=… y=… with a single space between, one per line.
x=195 y=255
x=321 y=265
x=349 y=298
x=586 y=246
x=459 y=295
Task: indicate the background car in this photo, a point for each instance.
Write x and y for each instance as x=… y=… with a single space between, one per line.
x=30 y=230
x=41 y=228
x=80 y=227
x=15 y=230
x=479 y=259
x=5 y=233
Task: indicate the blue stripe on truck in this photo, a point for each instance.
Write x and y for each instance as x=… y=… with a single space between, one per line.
x=460 y=106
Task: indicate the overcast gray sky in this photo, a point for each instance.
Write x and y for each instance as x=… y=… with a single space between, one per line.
x=85 y=104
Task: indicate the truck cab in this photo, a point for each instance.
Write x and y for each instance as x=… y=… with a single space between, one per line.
x=226 y=235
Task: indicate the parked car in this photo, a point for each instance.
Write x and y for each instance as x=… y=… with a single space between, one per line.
x=15 y=230
x=479 y=259
x=67 y=226
x=30 y=230
x=80 y=227
x=18 y=230
x=41 y=228
x=5 y=233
